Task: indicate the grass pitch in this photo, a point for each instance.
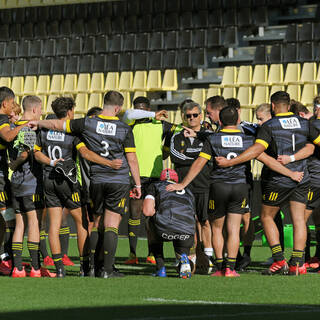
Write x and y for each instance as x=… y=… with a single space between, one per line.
x=140 y=296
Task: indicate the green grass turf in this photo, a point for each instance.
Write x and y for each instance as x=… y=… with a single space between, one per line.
x=140 y=296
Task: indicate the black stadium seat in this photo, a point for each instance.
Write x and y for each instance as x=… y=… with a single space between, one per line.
x=105 y=26
x=58 y=65
x=4 y=32
x=172 y=21
x=72 y=64
x=156 y=41
x=305 y=32
x=133 y=7
x=7 y=68
x=81 y=11
x=290 y=53
x=89 y=45
x=186 y=20
x=92 y=27
x=75 y=46
x=66 y=28
x=86 y=64
x=184 y=61
x=101 y=43
x=15 y=31
x=306 y=52
x=173 y=6
x=106 y=9
x=27 y=31
x=68 y=12
x=145 y=23
x=24 y=48
x=292 y=33
x=141 y=60
x=40 y=30
x=53 y=30
x=94 y=11
x=62 y=46
x=78 y=28
x=116 y=43
x=171 y=40
x=12 y=49
x=214 y=38
x=2 y=50
x=126 y=61
x=33 y=67
x=276 y=53
x=185 y=39
x=129 y=43
x=43 y=14
x=155 y=60
x=99 y=63
x=49 y=48
x=113 y=62
x=159 y=22
x=143 y=42
x=159 y=6
x=199 y=58
x=131 y=24
x=19 y=67
x=199 y=38
x=36 y=48
x=45 y=66
x=119 y=8
x=170 y=60
x=260 y=55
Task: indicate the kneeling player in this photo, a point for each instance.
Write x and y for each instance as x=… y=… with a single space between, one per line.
x=172 y=219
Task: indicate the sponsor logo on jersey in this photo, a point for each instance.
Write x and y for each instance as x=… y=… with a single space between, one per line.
x=106 y=128
x=55 y=136
x=290 y=123
x=232 y=141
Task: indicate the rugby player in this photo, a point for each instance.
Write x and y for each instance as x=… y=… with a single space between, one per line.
x=286 y=134
x=110 y=138
x=172 y=219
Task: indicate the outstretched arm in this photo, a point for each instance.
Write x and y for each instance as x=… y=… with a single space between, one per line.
x=53 y=124
x=303 y=153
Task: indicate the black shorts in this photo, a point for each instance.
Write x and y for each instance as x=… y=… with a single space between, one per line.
x=313 y=198
x=28 y=203
x=110 y=196
x=274 y=195
x=145 y=183
x=5 y=193
x=227 y=198
x=62 y=193
x=202 y=200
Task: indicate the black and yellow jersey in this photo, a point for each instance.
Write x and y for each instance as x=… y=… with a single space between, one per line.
x=314 y=160
x=4 y=122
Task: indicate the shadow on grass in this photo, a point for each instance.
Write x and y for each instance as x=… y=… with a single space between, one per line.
x=172 y=312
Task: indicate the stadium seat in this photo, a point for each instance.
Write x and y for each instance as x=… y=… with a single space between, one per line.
x=126 y=61
x=43 y=85
x=140 y=81
x=185 y=39
x=305 y=32
x=308 y=93
x=170 y=81
x=5 y=82
x=260 y=55
x=43 y=104
x=275 y=74
x=292 y=33
x=86 y=63
x=294 y=91
x=127 y=101
x=213 y=92
x=81 y=102
x=170 y=59
x=97 y=83
x=245 y=97
x=229 y=92
x=184 y=61
x=70 y=84
x=95 y=100
x=155 y=60
x=276 y=53
x=17 y=85
x=244 y=76
x=72 y=64
x=214 y=38
x=75 y=46
x=112 y=81
x=45 y=66
x=83 y=83
x=308 y=73
x=199 y=96
x=261 y=95
x=292 y=74
x=290 y=53
x=126 y=80
x=57 y=84
x=129 y=43
x=49 y=48
x=177 y=117
x=89 y=44
x=30 y=85
x=186 y=20
x=260 y=75
x=139 y=94
x=154 y=80
x=275 y=89
x=140 y=60
x=62 y=46
x=12 y=49
x=306 y=52
x=229 y=77
x=36 y=48
x=156 y=41
x=171 y=40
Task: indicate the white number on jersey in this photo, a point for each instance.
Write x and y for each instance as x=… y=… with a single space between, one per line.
x=231 y=155
x=181 y=192
x=105 y=146
x=55 y=153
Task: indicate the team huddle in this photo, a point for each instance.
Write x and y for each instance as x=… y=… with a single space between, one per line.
x=99 y=167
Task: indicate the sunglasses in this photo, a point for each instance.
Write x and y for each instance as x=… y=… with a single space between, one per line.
x=190 y=115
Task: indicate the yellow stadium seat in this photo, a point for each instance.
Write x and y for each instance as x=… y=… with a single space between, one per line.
x=30 y=85
x=292 y=75
x=127 y=101
x=5 y=82
x=260 y=75
x=261 y=95
x=199 y=96
x=213 y=92
x=83 y=85
x=97 y=82
x=245 y=96
x=36 y=3
x=308 y=73
x=95 y=100
x=309 y=92
x=44 y=103
x=51 y=98
x=70 y=84
x=139 y=94
x=22 y=3
x=229 y=92
x=140 y=81
x=170 y=80
x=294 y=91
x=125 y=82
x=244 y=76
x=275 y=74
x=246 y=114
x=112 y=81
x=43 y=85
x=17 y=86
x=81 y=103
x=229 y=77
x=177 y=117
x=57 y=84
x=154 y=80
x=275 y=89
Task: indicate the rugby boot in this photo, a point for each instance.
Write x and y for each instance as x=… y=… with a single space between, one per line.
x=185 y=269
x=34 y=273
x=6 y=267
x=296 y=270
x=60 y=273
x=162 y=273
x=151 y=260
x=218 y=273
x=16 y=273
x=132 y=259
x=243 y=263
x=46 y=273
x=278 y=267
x=66 y=261
x=231 y=273
x=314 y=263
x=113 y=274
x=47 y=261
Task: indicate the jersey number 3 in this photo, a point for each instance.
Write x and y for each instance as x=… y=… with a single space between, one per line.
x=105 y=146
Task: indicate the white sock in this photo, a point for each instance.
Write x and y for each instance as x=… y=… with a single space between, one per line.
x=208 y=252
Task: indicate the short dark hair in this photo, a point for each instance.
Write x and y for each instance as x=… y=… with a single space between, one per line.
x=233 y=102
x=94 y=111
x=280 y=97
x=5 y=93
x=229 y=116
x=316 y=100
x=62 y=105
x=145 y=102
x=296 y=107
x=183 y=103
x=216 y=102
x=113 y=98
x=30 y=101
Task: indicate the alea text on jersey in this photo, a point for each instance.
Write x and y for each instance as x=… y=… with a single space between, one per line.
x=290 y=123
x=106 y=128
x=231 y=141
x=55 y=135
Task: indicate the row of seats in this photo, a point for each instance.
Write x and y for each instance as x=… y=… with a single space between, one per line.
x=185 y=39
x=128 y=81
x=126 y=61
x=308 y=31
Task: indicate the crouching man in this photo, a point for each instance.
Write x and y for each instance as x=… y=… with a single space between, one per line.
x=172 y=218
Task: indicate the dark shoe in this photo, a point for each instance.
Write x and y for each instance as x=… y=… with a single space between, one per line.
x=113 y=274
x=61 y=273
x=243 y=263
